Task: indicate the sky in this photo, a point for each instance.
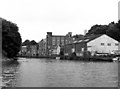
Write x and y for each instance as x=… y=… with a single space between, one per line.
x=37 y=17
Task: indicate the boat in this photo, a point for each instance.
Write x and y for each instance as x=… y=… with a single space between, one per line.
x=116 y=59
x=57 y=58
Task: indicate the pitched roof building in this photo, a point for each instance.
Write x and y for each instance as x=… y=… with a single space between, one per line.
x=94 y=44
x=42 y=47
x=52 y=41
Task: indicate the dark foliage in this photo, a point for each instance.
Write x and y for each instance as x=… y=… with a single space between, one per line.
x=112 y=30
x=11 y=39
x=98 y=29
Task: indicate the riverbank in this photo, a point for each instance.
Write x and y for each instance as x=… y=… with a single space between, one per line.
x=80 y=58
x=44 y=72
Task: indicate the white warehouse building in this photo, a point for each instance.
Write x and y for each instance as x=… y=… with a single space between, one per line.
x=103 y=44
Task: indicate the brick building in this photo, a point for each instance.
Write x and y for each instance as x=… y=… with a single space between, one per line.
x=101 y=44
x=42 y=47
x=33 y=50
x=29 y=48
x=52 y=41
x=23 y=51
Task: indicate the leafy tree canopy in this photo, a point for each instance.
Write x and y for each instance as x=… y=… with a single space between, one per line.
x=11 y=39
x=112 y=30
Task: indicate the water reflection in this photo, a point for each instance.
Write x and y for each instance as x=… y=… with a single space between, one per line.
x=62 y=73
x=9 y=70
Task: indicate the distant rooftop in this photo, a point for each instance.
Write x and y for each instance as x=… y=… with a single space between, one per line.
x=58 y=35
x=88 y=38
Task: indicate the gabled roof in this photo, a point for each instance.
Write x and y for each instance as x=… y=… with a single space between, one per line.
x=27 y=42
x=92 y=37
x=88 y=38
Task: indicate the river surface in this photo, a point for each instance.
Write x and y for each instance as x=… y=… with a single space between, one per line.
x=32 y=72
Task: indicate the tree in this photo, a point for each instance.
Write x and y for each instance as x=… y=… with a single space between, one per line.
x=112 y=30
x=98 y=29
x=11 y=39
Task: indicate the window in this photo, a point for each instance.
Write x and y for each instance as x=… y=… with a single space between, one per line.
x=53 y=40
x=62 y=40
x=102 y=43
x=116 y=44
x=109 y=44
x=58 y=42
x=58 y=38
x=53 y=43
x=82 y=49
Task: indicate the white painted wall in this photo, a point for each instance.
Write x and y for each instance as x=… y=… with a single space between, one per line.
x=95 y=45
x=58 y=50
x=73 y=50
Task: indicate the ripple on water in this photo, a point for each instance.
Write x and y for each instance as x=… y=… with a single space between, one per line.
x=64 y=73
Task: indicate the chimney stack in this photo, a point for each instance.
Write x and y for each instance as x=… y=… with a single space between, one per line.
x=85 y=31
x=49 y=33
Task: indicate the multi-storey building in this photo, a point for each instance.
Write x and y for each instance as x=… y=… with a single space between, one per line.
x=33 y=50
x=42 y=47
x=52 y=41
x=29 y=48
x=101 y=44
x=23 y=51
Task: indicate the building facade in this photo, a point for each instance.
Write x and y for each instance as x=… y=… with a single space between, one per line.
x=56 y=50
x=52 y=41
x=42 y=47
x=33 y=50
x=23 y=51
x=101 y=44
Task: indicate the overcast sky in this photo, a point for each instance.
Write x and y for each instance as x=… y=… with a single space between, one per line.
x=36 y=17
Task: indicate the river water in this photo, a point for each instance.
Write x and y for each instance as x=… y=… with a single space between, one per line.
x=32 y=72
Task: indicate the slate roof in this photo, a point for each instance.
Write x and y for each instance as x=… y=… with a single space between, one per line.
x=88 y=38
x=29 y=43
